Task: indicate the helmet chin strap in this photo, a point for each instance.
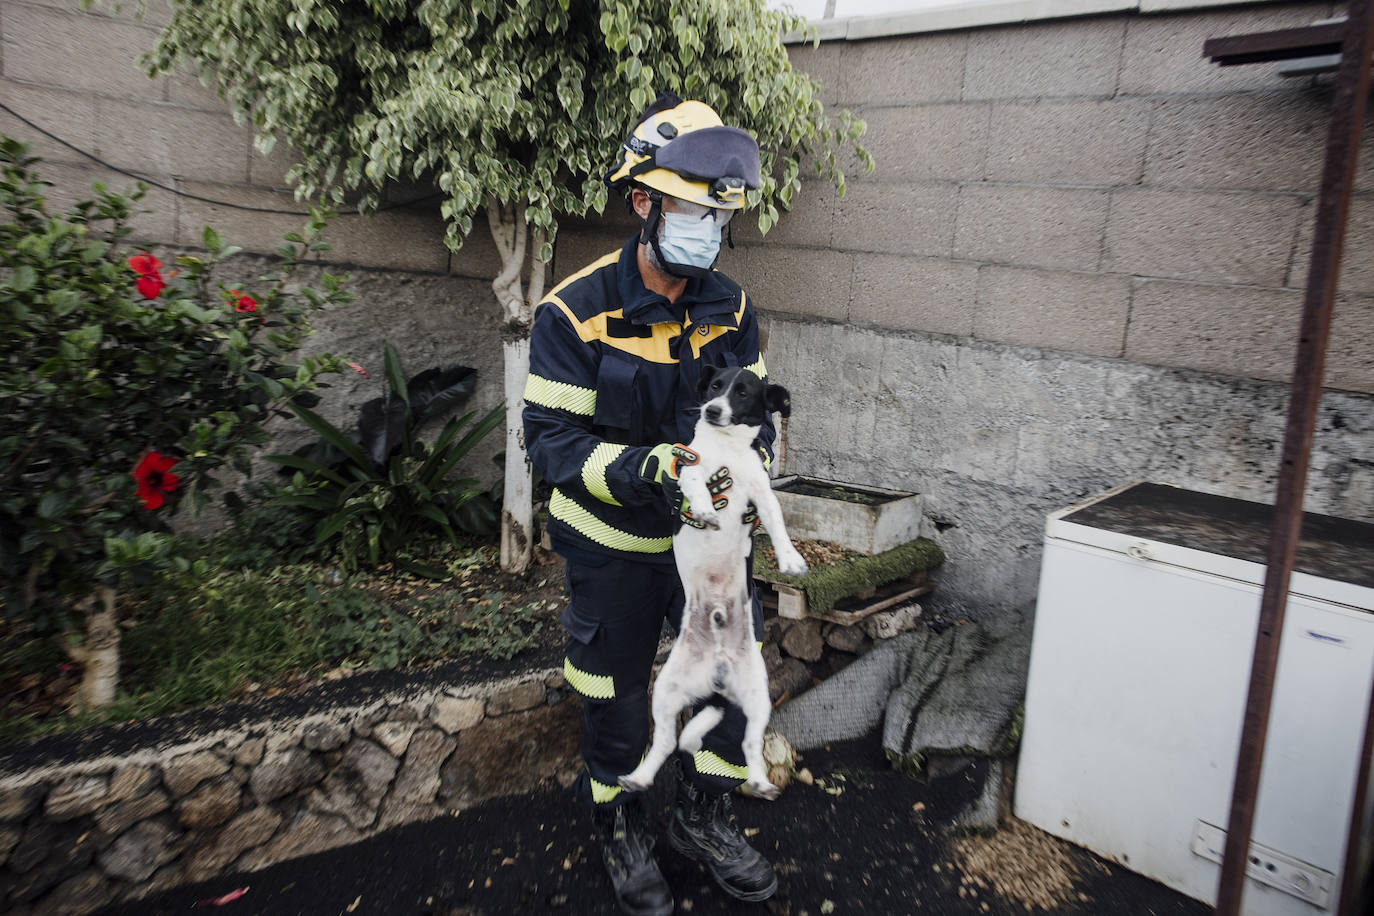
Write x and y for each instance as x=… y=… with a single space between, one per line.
x=648 y=234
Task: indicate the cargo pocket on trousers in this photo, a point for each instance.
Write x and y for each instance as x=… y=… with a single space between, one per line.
x=583 y=664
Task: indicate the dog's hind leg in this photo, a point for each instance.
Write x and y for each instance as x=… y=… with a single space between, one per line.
x=669 y=699
x=753 y=699
x=695 y=730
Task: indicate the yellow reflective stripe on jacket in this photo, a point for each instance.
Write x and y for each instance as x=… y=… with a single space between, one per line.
x=594 y=471
x=759 y=368
x=592 y=686
x=602 y=793
x=711 y=764
x=560 y=395
x=593 y=528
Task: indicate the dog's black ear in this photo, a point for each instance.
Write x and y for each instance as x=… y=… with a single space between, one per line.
x=708 y=372
x=779 y=400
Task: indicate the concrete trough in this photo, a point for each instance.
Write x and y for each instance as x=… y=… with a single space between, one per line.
x=863 y=518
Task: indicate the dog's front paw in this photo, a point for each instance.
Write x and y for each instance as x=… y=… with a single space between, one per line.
x=634 y=785
x=790 y=563
x=708 y=519
x=762 y=788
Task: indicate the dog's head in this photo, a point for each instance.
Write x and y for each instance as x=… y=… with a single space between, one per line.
x=737 y=397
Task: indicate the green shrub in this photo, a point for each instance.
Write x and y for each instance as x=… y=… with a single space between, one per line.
x=124 y=387
x=373 y=496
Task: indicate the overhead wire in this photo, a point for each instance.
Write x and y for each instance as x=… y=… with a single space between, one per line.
x=187 y=194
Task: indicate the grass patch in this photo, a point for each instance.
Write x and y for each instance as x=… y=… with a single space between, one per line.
x=193 y=641
x=826 y=584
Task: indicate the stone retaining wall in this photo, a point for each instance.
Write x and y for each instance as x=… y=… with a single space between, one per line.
x=76 y=836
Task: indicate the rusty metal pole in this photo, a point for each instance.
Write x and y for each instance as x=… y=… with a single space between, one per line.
x=1333 y=204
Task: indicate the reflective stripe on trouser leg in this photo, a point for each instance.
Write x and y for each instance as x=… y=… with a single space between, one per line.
x=614 y=621
x=719 y=766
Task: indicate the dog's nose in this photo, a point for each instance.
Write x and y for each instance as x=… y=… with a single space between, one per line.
x=712 y=411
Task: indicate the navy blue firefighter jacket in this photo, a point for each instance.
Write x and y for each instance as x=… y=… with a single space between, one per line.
x=613 y=372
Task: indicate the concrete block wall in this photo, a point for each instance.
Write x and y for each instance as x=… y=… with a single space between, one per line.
x=1079 y=261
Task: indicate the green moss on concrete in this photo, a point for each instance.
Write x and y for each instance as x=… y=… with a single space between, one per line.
x=825 y=585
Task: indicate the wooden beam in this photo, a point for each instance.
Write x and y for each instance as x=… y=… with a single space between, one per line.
x=1283 y=44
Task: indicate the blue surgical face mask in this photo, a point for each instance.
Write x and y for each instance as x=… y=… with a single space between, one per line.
x=689 y=240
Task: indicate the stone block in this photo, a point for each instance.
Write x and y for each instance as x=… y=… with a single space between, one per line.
x=790 y=677
x=907 y=219
x=516 y=698
x=822 y=64
x=184 y=773
x=1084 y=313
x=902 y=70
x=1357 y=261
x=130 y=781
x=268 y=170
x=139 y=852
x=324 y=736
x=44 y=46
x=170 y=141
x=307 y=834
x=248 y=830
x=249 y=753
x=512 y=755
x=1163 y=54
x=809 y=223
x=803 y=640
x=282 y=773
x=928 y=142
x=1232 y=330
x=79 y=894
x=1031 y=226
x=1210 y=237
x=116 y=819
x=1065 y=58
x=1068 y=142
x=794 y=280
x=185 y=88
x=453 y=714
x=155 y=217
x=1269 y=142
x=394 y=736
x=355 y=787
x=211 y=805
x=887 y=624
x=75 y=796
x=66 y=114
x=1350 y=352
x=477 y=258
x=852 y=639
x=914 y=293
x=412 y=795
x=17 y=803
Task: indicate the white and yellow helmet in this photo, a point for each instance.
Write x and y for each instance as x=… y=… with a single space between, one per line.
x=684 y=150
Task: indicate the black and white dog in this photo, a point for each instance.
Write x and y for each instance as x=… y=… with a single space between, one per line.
x=715 y=653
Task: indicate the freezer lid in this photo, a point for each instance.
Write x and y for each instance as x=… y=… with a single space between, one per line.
x=1330 y=548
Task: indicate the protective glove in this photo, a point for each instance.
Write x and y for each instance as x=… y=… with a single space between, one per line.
x=665 y=462
x=716 y=485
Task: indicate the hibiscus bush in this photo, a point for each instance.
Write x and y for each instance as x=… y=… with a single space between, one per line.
x=127 y=384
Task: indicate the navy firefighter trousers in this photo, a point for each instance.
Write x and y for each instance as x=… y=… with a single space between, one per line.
x=614 y=620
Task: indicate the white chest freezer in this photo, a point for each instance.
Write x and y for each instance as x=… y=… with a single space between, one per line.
x=1140 y=663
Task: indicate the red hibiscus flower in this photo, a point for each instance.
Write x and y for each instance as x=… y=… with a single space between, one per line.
x=143 y=264
x=242 y=302
x=149 y=282
x=155 y=479
x=150 y=285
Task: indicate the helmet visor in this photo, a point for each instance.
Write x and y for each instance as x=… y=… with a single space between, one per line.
x=712 y=154
x=697 y=211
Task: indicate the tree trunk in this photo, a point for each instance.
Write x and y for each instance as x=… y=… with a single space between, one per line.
x=100 y=655
x=512 y=236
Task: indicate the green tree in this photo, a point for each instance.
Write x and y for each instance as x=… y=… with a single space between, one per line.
x=513 y=109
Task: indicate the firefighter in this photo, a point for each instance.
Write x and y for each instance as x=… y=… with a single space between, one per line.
x=616 y=351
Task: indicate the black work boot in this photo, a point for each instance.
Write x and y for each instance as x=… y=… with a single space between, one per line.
x=627 y=850
x=702 y=827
